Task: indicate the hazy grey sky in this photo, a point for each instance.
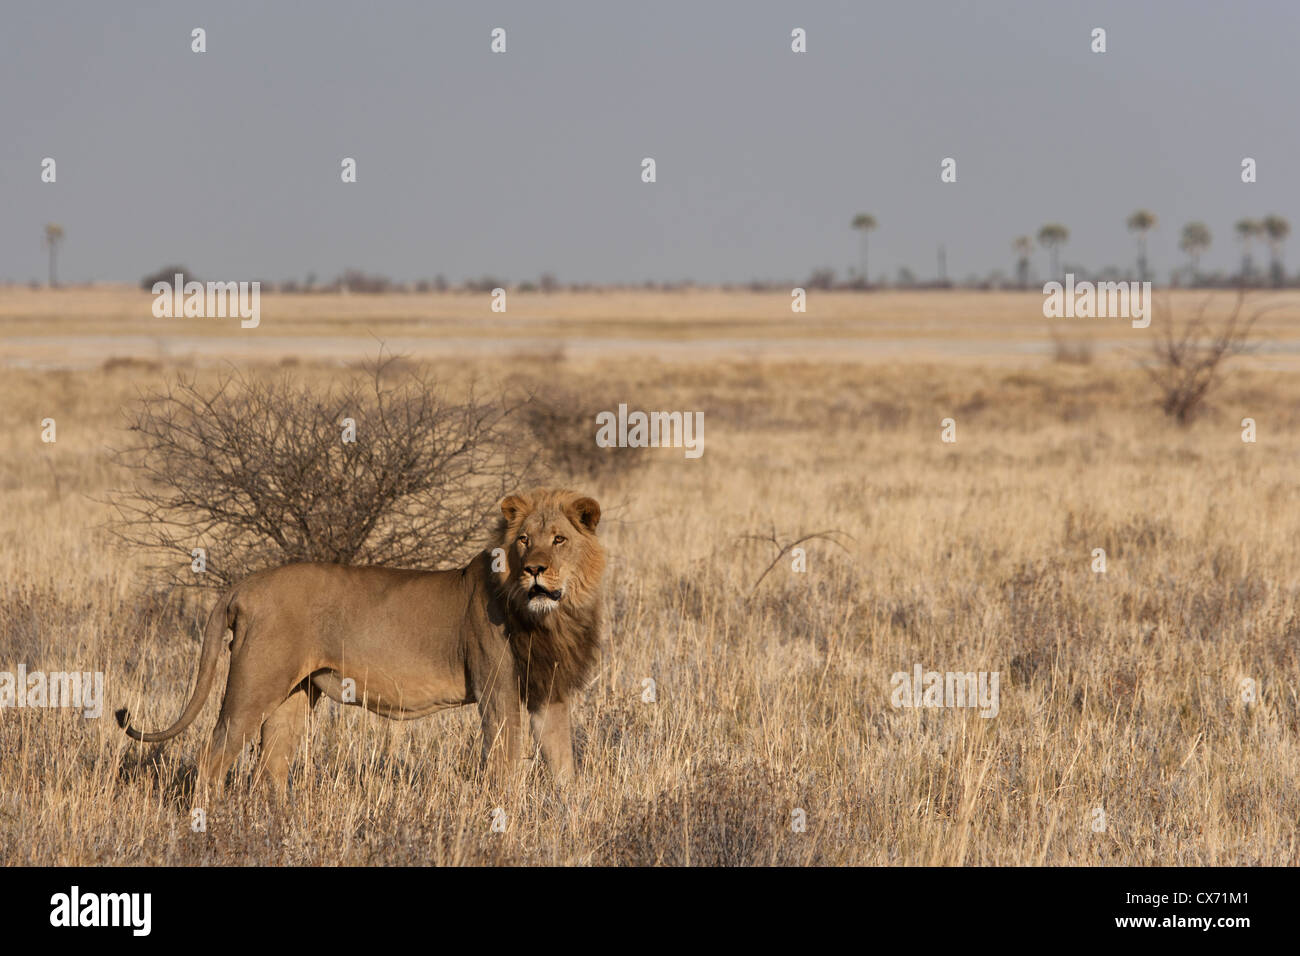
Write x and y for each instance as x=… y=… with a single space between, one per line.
x=473 y=163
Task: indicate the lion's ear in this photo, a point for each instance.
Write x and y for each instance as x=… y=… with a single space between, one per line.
x=512 y=506
x=586 y=512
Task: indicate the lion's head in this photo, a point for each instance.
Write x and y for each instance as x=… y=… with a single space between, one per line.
x=551 y=588
x=553 y=560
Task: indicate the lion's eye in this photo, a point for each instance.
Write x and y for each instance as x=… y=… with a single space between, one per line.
x=523 y=539
x=559 y=539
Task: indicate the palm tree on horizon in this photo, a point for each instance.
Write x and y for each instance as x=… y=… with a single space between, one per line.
x=1142 y=222
x=1023 y=246
x=1051 y=237
x=1196 y=239
x=1276 y=229
x=53 y=236
x=1248 y=230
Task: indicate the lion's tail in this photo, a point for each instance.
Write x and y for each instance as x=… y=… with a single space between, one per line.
x=213 y=638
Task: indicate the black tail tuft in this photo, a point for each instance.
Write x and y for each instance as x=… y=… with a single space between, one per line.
x=122 y=718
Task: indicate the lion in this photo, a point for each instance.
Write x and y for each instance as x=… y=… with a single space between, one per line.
x=512 y=630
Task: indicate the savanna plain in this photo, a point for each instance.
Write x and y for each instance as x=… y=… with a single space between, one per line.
x=1149 y=714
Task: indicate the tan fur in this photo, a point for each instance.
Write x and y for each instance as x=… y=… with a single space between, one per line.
x=414 y=642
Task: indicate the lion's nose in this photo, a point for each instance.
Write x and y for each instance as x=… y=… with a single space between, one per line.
x=535 y=569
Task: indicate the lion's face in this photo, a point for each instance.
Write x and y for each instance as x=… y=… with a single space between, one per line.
x=552 y=553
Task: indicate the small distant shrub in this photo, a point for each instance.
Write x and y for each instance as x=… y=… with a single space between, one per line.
x=1186 y=365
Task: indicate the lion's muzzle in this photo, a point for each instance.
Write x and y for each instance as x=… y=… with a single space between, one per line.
x=538 y=590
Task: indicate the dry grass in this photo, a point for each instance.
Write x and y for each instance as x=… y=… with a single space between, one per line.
x=1118 y=690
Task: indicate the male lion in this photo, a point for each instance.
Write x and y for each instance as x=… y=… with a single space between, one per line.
x=414 y=642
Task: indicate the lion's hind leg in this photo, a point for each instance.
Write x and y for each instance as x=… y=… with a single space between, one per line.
x=281 y=734
x=253 y=693
x=229 y=738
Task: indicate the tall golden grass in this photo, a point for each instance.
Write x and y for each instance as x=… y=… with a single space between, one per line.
x=1120 y=692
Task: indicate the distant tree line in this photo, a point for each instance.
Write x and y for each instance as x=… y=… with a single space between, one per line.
x=1194 y=241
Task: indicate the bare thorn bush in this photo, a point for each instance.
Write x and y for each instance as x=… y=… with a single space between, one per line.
x=257 y=472
x=1187 y=364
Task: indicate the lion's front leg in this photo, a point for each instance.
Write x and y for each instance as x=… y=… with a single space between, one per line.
x=554 y=735
x=499 y=710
